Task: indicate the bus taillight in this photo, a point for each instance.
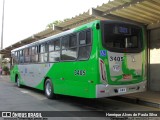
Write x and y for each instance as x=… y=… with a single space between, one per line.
x=102 y=68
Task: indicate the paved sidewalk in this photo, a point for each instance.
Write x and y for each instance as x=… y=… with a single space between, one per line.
x=148 y=98
x=4 y=78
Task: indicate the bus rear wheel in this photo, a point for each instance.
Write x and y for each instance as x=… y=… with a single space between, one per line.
x=49 y=90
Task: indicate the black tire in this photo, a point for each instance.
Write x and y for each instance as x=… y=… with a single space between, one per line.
x=49 y=90
x=18 y=82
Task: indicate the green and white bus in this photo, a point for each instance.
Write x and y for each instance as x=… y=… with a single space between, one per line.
x=98 y=59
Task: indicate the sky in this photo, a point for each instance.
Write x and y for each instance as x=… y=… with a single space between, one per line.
x=23 y=18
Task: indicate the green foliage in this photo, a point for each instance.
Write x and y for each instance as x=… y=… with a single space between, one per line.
x=56 y=22
x=6 y=69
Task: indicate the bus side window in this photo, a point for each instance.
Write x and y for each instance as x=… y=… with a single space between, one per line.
x=65 y=42
x=36 y=53
x=41 y=52
x=69 y=48
x=88 y=37
x=57 y=44
x=34 y=57
x=18 y=57
x=54 y=50
x=51 y=45
x=26 y=54
x=43 y=56
x=14 y=57
x=21 y=56
x=82 y=38
x=73 y=40
x=84 y=45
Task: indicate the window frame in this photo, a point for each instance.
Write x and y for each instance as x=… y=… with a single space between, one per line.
x=68 y=47
x=85 y=45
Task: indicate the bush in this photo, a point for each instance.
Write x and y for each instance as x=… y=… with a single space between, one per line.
x=6 y=69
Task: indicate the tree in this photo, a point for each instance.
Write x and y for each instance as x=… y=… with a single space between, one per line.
x=56 y=22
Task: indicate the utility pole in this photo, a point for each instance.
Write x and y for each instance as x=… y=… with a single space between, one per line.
x=2 y=32
x=2 y=25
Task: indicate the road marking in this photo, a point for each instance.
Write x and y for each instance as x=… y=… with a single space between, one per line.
x=34 y=94
x=37 y=95
x=24 y=92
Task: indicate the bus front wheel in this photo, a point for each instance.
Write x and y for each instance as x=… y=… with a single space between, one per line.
x=18 y=82
x=49 y=92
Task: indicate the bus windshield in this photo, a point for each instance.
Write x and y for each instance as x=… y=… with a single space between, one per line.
x=118 y=37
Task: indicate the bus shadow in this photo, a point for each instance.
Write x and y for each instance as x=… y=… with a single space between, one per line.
x=95 y=104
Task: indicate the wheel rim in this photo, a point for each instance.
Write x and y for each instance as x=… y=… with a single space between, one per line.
x=48 y=88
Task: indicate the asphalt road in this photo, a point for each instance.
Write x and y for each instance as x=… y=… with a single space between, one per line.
x=27 y=99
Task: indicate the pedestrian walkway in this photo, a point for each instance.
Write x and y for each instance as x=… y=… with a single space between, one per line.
x=4 y=78
x=148 y=98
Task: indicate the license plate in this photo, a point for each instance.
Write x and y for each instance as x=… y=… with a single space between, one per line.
x=127 y=77
x=121 y=90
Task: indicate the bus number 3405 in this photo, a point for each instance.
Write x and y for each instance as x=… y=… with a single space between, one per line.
x=79 y=72
x=116 y=58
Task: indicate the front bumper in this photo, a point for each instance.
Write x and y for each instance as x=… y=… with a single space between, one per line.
x=115 y=90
